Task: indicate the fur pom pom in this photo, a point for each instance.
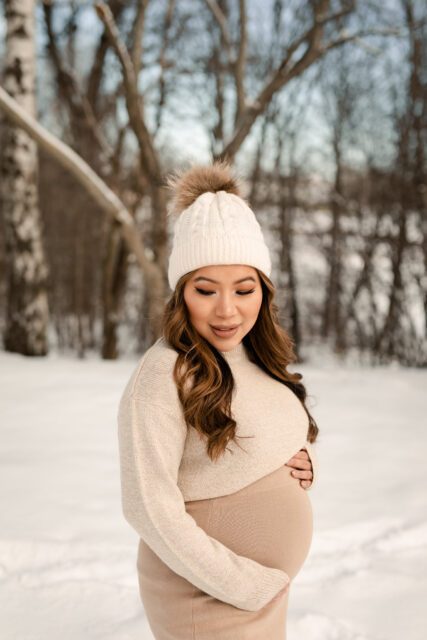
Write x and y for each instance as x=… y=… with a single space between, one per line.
x=187 y=185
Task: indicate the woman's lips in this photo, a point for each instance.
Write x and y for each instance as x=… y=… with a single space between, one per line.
x=224 y=333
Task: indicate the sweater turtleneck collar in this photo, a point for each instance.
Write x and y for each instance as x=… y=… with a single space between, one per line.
x=236 y=354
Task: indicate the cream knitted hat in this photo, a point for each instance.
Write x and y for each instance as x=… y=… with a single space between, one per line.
x=215 y=224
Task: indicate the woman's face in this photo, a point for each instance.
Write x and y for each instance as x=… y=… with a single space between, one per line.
x=223 y=296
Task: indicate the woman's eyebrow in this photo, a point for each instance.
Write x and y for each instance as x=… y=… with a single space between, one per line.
x=215 y=282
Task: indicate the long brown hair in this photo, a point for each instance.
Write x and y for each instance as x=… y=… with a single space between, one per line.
x=203 y=377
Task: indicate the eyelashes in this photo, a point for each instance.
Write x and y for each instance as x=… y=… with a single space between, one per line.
x=208 y=293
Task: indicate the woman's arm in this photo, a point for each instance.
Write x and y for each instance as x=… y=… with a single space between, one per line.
x=151 y=443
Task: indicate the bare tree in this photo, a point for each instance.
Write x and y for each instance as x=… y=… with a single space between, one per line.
x=89 y=140
x=27 y=306
x=398 y=336
x=314 y=37
x=108 y=200
x=340 y=91
x=255 y=77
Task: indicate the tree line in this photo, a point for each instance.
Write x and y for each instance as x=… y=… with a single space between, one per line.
x=102 y=105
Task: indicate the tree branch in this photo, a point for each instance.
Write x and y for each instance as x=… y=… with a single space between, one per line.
x=147 y=153
x=288 y=70
x=68 y=85
x=137 y=36
x=236 y=63
x=349 y=37
x=239 y=67
x=163 y=61
x=222 y=22
x=68 y=158
x=96 y=72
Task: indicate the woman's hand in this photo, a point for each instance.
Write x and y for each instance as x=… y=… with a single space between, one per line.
x=303 y=467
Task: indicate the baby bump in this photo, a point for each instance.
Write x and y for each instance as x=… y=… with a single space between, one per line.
x=270 y=520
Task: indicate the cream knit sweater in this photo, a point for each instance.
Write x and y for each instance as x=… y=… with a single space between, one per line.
x=163 y=464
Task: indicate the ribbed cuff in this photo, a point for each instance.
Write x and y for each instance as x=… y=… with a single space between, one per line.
x=275 y=580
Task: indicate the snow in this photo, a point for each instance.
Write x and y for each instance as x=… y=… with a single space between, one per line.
x=67 y=564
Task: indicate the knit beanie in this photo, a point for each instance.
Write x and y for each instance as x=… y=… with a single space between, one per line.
x=215 y=225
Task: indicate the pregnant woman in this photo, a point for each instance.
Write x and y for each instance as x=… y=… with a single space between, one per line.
x=216 y=443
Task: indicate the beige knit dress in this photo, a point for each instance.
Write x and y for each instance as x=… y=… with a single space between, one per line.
x=215 y=543
x=269 y=521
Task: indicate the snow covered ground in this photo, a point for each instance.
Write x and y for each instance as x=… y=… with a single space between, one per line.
x=67 y=556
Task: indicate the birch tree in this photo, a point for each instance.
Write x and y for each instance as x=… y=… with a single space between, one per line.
x=27 y=302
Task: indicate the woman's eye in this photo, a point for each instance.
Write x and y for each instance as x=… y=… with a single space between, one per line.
x=204 y=293
x=208 y=293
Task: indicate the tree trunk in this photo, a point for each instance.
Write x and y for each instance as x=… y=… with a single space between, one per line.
x=387 y=338
x=114 y=285
x=332 y=313
x=27 y=304
x=286 y=258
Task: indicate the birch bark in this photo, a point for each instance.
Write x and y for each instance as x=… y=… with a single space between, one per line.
x=27 y=313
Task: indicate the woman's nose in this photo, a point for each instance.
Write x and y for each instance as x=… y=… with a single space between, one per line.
x=226 y=305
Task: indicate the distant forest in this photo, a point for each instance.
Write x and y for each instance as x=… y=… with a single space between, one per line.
x=320 y=105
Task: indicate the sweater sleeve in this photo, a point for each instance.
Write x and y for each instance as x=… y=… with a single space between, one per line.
x=151 y=444
x=311 y=450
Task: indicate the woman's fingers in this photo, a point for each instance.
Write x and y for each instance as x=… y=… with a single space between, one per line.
x=301 y=460
x=299 y=463
x=302 y=453
x=302 y=467
x=307 y=475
